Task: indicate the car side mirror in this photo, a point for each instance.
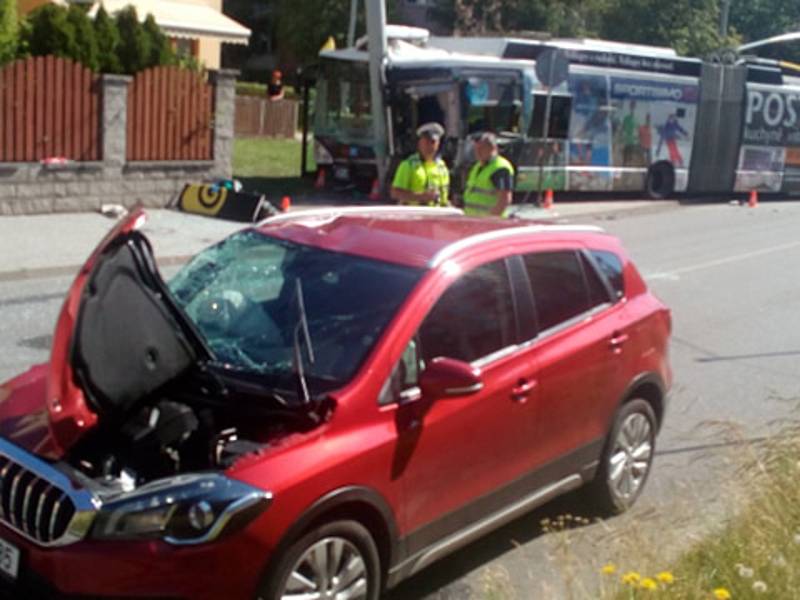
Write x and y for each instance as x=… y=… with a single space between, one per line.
x=445 y=377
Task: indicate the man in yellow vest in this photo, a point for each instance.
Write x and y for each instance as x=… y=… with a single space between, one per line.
x=490 y=182
x=423 y=178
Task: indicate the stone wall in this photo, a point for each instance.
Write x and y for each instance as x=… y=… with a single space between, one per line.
x=30 y=188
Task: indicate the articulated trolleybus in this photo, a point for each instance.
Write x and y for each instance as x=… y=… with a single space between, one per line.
x=626 y=119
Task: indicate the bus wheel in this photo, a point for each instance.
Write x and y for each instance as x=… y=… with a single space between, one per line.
x=660 y=180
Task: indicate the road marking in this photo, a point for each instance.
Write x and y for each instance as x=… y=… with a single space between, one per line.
x=675 y=274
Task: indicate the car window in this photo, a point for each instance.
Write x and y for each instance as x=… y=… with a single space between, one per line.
x=558 y=284
x=611 y=266
x=473 y=318
x=598 y=292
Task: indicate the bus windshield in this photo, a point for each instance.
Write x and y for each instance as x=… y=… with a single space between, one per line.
x=343 y=106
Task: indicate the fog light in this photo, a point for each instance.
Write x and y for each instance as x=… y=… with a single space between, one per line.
x=201 y=515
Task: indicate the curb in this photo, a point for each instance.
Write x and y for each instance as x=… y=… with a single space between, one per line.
x=70 y=270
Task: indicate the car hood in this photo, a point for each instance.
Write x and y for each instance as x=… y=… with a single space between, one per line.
x=119 y=338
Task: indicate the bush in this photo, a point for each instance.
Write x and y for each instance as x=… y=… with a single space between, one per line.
x=8 y=30
x=108 y=41
x=85 y=49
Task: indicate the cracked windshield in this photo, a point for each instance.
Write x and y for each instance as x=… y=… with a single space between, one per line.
x=242 y=295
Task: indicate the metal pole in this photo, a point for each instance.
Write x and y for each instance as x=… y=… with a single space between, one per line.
x=545 y=132
x=351 y=32
x=304 y=156
x=376 y=33
x=723 y=17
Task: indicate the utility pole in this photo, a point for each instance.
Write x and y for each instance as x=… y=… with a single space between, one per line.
x=351 y=32
x=723 y=17
x=376 y=36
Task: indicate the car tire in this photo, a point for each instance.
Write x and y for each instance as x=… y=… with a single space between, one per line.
x=660 y=182
x=355 y=567
x=627 y=458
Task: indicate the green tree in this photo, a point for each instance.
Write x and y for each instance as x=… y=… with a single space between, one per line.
x=108 y=41
x=161 y=52
x=135 y=46
x=9 y=30
x=50 y=32
x=84 y=47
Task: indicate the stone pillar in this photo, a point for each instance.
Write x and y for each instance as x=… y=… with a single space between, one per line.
x=115 y=122
x=224 y=82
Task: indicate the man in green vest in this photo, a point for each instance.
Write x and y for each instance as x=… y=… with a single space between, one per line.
x=490 y=182
x=423 y=178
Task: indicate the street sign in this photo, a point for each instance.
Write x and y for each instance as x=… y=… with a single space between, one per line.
x=552 y=67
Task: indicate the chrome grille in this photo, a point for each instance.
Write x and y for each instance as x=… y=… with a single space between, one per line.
x=33 y=505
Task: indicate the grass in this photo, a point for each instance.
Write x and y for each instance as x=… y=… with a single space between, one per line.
x=272 y=166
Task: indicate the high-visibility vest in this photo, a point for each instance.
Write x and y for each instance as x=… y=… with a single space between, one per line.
x=416 y=175
x=480 y=197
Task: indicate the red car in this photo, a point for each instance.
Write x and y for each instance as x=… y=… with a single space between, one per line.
x=323 y=404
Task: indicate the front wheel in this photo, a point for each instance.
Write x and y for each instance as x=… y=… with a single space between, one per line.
x=337 y=560
x=627 y=458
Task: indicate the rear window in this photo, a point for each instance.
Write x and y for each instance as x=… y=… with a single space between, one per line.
x=611 y=266
x=558 y=286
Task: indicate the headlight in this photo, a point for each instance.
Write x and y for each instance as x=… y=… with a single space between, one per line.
x=188 y=509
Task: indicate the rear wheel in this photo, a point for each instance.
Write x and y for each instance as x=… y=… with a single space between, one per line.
x=627 y=458
x=660 y=181
x=338 y=560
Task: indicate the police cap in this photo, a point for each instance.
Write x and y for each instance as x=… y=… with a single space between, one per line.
x=432 y=130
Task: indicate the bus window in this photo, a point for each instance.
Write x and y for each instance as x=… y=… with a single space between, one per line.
x=492 y=103
x=560 y=108
x=343 y=106
x=493 y=118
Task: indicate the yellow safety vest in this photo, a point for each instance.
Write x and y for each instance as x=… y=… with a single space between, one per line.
x=480 y=197
x=416 y=175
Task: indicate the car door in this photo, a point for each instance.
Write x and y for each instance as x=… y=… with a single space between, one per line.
x=578 y=349
x=455 y=453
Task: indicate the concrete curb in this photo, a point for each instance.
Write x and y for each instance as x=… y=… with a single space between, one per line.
x=71 y=270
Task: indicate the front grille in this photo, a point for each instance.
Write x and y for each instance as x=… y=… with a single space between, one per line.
x=32 y=505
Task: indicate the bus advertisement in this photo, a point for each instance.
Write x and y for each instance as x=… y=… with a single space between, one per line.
x=628 y=118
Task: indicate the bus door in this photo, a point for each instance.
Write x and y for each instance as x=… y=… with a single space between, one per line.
x=545 y=151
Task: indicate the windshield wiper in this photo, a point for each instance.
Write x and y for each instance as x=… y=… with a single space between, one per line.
x=301 y=327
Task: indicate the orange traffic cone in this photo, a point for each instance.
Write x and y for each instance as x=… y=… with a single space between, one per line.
x=286 y=203
x=752 y=202
x=548 y=199
x=375 y=192
x=320 y=182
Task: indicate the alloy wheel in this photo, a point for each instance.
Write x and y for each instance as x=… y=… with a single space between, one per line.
x=331 y=569
x=630 y=459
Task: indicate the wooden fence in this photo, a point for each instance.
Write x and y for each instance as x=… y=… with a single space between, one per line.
x=49 y=107
x=170 y=116
x=261 y=117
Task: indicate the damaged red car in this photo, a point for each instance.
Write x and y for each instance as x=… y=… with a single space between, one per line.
x=324 y=404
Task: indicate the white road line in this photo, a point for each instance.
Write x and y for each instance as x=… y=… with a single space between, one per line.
x=675 y=274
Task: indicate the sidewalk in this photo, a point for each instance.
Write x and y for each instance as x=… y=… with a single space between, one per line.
x=57 y=244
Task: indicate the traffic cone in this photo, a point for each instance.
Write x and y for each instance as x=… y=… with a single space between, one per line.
x=752 y=202
x=286 y=203
x=548 y=199
x=375 y=192
x=320 y=182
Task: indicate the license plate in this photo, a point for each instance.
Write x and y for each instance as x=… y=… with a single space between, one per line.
x=341 y=173
x=9 y=559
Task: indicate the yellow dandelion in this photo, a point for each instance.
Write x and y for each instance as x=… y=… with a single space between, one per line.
x=721 y=594
x=649 y=584
x=631 y=578
x=609 y=569
x=666 y=577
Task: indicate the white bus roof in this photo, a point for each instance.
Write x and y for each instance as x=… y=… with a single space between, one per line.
x=496 y=46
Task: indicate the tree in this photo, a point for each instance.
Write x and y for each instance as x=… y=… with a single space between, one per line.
x=84 y=48
x=50 y=32
x=9 y=30
x=160 y=51
x=135 y=46
x=108 y=41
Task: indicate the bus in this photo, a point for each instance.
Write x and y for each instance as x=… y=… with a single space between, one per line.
x=627 y=118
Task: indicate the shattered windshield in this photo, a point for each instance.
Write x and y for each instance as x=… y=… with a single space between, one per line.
x=242 y=296
x=343 y=105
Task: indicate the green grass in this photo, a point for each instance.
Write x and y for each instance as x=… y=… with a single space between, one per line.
x=272 y=166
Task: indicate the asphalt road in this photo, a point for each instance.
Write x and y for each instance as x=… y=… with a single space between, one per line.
x=729 y=274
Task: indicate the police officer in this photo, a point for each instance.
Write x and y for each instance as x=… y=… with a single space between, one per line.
x=423 y=178
x=490 y=181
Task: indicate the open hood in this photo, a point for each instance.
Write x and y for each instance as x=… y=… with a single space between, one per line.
x=119 y=337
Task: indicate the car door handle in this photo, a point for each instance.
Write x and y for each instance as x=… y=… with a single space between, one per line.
x=617 y=340
x=519 y=393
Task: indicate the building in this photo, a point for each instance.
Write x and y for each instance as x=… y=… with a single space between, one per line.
x=196 y=27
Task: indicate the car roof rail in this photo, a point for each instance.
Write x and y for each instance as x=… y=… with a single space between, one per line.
x=511 y=232
x=335 y=211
